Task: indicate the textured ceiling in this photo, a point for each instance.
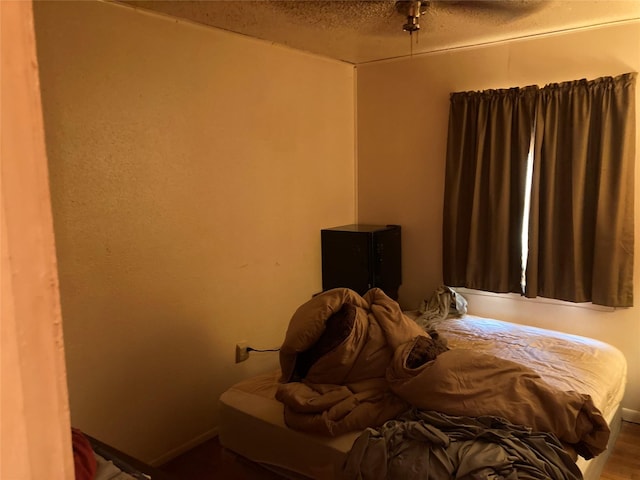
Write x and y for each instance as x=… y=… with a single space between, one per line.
x=364 y=31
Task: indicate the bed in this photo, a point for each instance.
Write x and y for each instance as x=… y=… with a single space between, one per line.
x=252 y=419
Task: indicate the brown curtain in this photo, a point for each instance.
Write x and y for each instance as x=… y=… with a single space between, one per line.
x=488 y=143
x=581 y=225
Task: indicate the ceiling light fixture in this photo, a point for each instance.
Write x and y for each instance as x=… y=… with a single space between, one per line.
x=414 y=10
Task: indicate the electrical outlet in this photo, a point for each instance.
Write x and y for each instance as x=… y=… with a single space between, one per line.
x=242 y=352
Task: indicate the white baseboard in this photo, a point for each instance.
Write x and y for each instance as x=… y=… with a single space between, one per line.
x=175 y=452
x=629 y=415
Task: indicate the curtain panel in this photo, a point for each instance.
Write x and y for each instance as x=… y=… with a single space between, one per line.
x=580 y=137
x=488 y=144
x=581 y=231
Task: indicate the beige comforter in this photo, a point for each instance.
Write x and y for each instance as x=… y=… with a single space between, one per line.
x=363 y=378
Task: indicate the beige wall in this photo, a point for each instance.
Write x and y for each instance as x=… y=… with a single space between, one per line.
x=191 y=173
x=402 y=130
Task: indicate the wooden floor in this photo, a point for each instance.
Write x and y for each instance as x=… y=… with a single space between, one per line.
x=624 y=462
x=210 y=461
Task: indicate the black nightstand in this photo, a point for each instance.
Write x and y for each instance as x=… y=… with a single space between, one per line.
x=361 y=257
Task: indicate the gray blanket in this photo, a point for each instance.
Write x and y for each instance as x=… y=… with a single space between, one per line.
x=431 y=445
x=444 y=303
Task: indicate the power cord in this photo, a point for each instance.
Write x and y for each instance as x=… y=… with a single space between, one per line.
x=249 y=349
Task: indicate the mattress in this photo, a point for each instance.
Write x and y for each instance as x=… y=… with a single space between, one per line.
x=252 y=422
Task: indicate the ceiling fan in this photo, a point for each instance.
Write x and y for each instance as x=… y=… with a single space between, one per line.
x=414 y=9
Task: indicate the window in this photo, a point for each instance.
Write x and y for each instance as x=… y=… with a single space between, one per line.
x=539 y=191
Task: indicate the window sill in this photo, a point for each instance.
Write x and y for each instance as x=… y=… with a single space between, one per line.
x=539 y=300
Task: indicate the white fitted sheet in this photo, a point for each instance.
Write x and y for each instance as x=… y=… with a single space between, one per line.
x=252 y=421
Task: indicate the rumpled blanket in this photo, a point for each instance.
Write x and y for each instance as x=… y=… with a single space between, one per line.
x=444 y=303
x=430 y=445
x=465 y=382
x=344 y=389
x=352 y=378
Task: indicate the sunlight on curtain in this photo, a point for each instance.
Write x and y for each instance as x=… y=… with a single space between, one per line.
x=527 y=212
